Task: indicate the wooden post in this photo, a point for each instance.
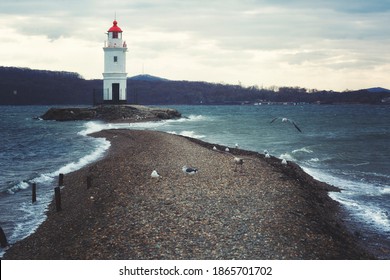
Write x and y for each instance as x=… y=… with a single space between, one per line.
x=89 y=182
x=34 y=192
x=3 y=239
x=61 y=179
x=57 y=192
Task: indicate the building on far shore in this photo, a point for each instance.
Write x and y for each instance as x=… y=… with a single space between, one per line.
x=114 y=76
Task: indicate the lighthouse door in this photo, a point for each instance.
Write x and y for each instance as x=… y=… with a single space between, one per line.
x=115 y=93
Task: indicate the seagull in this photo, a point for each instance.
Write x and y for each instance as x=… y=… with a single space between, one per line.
x=155 y=174
x=236 y=145
x=287 y=120
x=267 y=155
x=238 y=161
x=284 y=161
x=215 y=148
x=189 y=170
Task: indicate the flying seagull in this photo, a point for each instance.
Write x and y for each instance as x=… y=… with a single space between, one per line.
x=287 y=120
x=189 y=170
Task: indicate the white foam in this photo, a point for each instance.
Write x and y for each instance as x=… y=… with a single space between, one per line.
x=92 y=127
x=20 y=186
x=103 y=145
x=172 y=132
x=385 y=190
x=367 y=212
x=346 y=185
x=303 y=150
x=191 y=134
x=190 y=118
x=197 y=118
x=33 y=216
x=47 y=178
x=287 y=156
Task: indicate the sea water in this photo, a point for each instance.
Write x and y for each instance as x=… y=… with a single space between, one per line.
x=343 y=145
x=36 y=151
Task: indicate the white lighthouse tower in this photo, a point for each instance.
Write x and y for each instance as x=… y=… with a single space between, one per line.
x=114 y=76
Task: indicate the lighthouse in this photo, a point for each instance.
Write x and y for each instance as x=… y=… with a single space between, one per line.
x=114 y=76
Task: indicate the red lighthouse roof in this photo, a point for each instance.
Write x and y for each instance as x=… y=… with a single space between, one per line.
x=115 y=27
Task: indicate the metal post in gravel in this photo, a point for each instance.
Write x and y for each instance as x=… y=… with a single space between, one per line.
x=3 y=239
x=61 y=179
x=34 y=192
x=89 y=182
x=57 y=192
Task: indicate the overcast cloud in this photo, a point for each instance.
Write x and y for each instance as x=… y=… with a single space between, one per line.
x=316 y=44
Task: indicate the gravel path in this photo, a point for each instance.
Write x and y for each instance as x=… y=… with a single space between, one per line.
x=261 y=210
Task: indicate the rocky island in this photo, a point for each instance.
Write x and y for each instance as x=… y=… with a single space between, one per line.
x=111 y=113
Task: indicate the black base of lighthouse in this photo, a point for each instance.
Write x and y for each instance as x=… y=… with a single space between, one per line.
x=114 y=102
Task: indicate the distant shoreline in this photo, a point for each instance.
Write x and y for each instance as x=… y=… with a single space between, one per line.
x=264 y=211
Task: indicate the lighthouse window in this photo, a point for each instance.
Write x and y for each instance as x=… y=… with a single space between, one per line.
x=115 y=59
x=115 y=35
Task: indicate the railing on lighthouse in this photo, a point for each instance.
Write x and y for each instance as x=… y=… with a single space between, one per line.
x=114 y=45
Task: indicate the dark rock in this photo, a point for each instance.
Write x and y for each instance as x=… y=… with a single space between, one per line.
x=112 y=113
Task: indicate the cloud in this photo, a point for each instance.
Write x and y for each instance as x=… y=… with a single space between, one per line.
x=222 y=40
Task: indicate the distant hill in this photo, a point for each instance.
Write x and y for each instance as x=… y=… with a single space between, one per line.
x=24 y=86
x=146 y=77
x=378 y=89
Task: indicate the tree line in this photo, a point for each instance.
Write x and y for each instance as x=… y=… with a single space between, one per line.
x=24 y=86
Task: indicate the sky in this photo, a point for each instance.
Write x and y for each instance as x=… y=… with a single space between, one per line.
x=315 y=44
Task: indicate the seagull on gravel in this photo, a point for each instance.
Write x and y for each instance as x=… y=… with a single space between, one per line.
x=284 y=161
x=189 y=170
x=287 y=120
x=238 y=161
x=155 y=174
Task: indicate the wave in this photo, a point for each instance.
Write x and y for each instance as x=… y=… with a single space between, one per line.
x=187 y=133
x=287 y=156
x=190 y=118
x=19 y=186
x=31 y=216
x=303 y=150
x=47 y=178
x=351 y=196
x=370 y=214
x=102 y=146
x=385 y=190
x=358 y=164
x=92 y=127
x=95 y=126
x=191 y=134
